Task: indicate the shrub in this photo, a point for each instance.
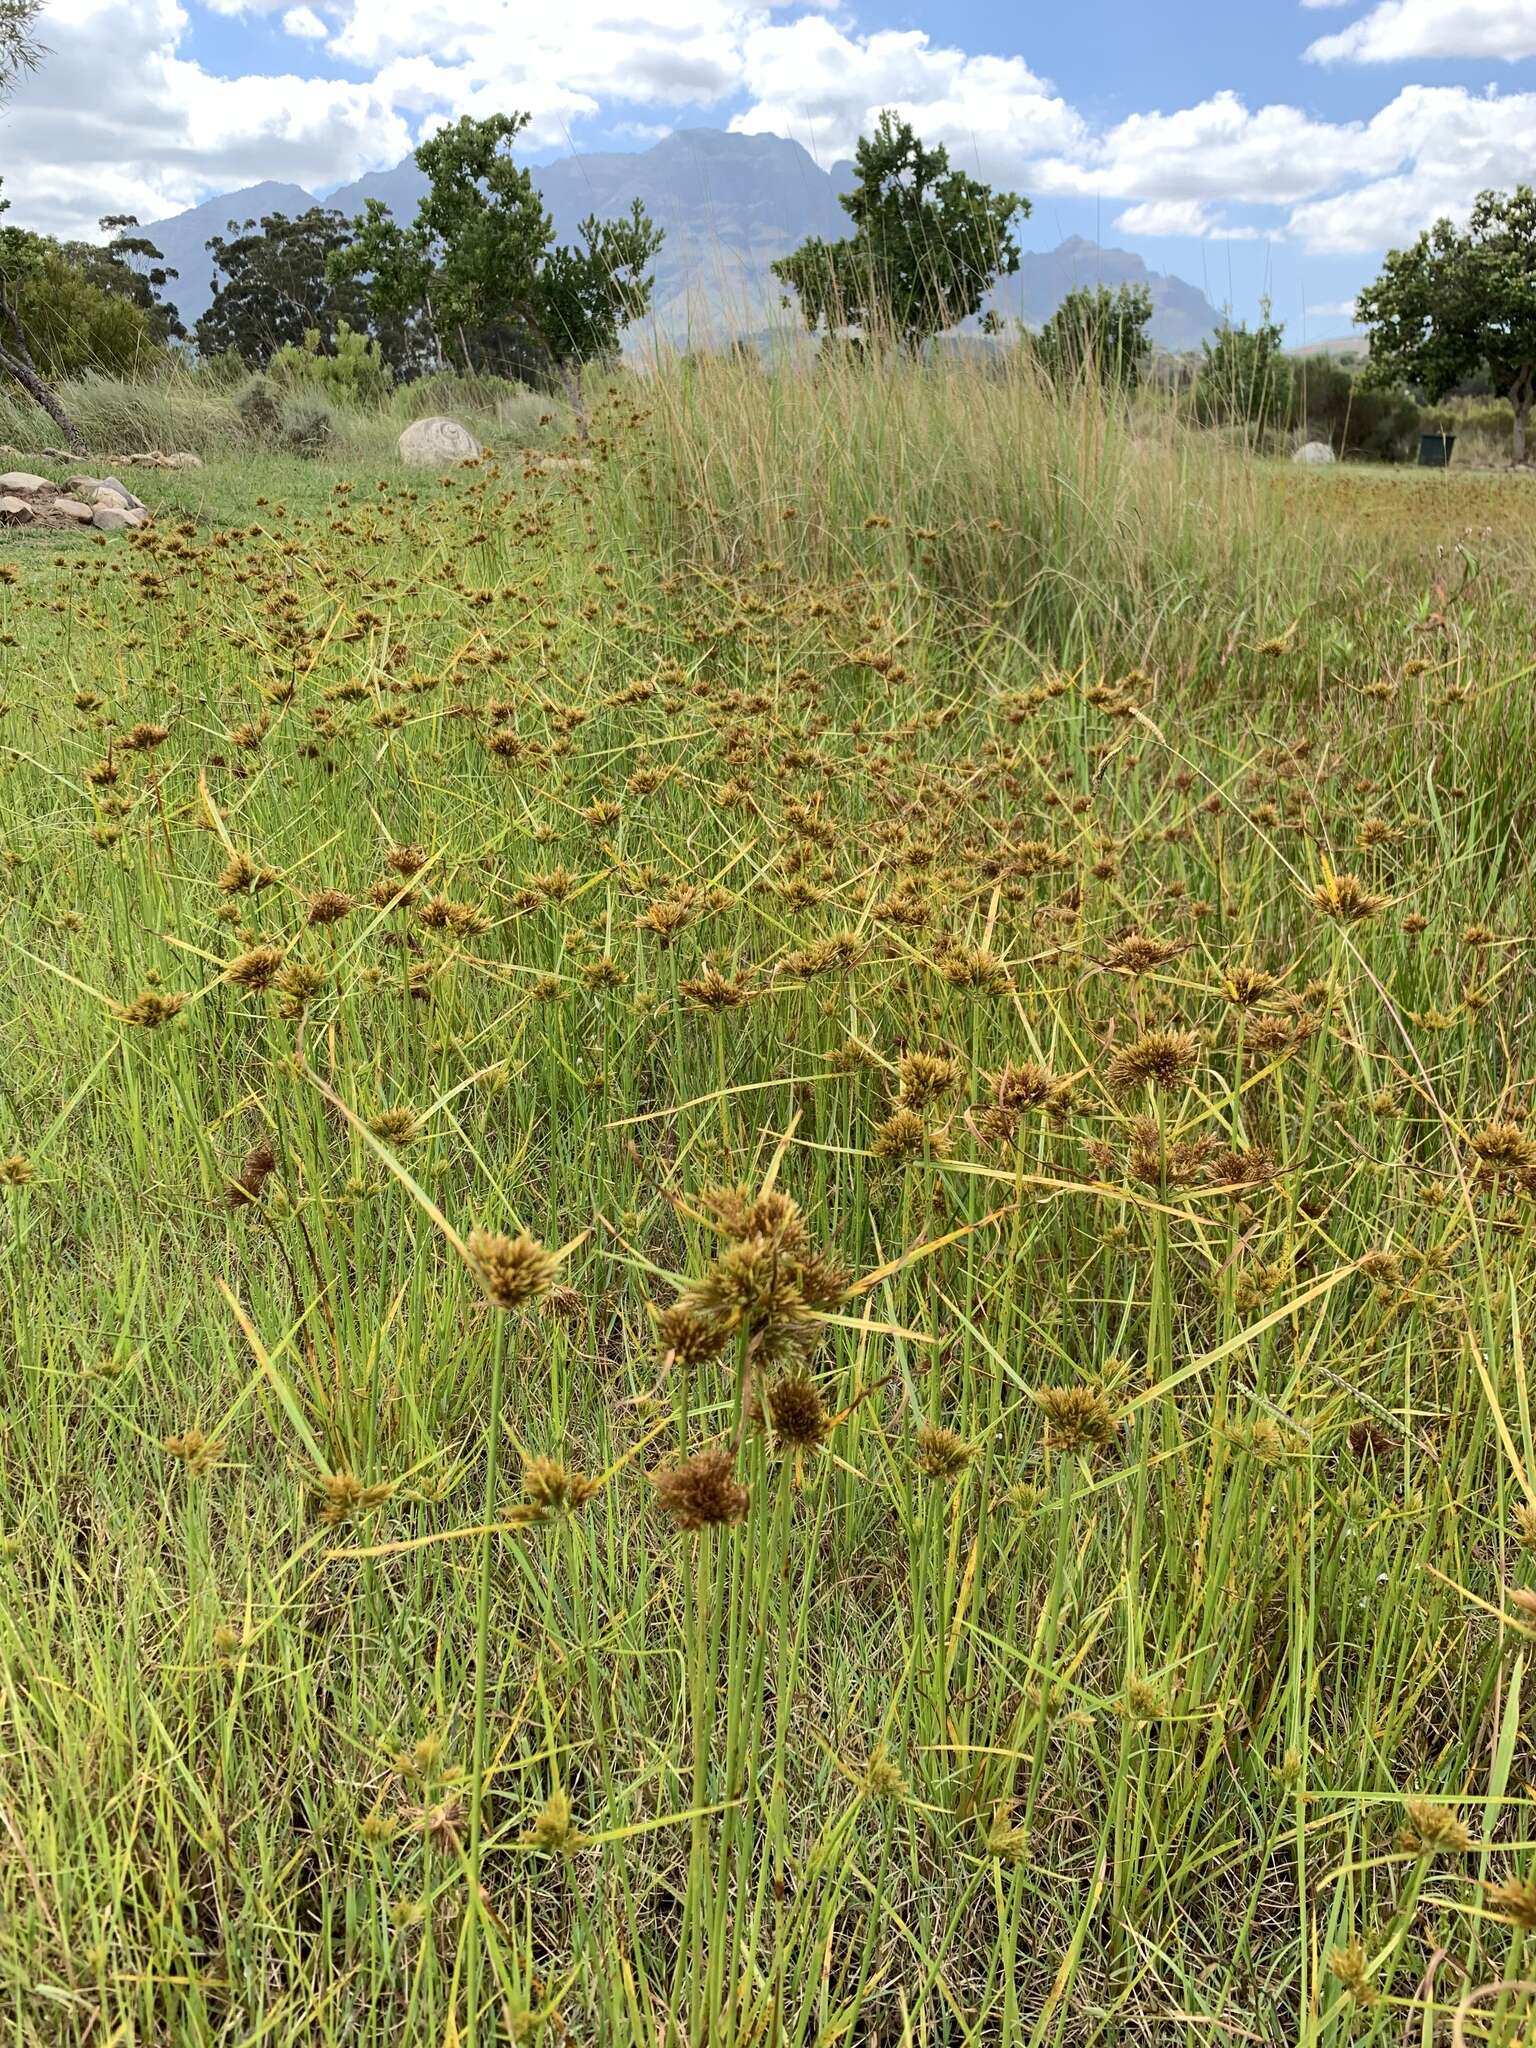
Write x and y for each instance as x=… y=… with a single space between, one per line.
x=1338 y=408
x=1244 y=379
x=1099 y=334
x=308 y=428
x=260 y=410
x=353 y=373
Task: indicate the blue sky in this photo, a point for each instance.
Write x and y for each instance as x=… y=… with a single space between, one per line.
x=1250 y=146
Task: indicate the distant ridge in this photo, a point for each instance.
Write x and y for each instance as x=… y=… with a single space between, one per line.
x=729 y=204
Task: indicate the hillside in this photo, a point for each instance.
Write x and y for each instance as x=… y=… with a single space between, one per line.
x=729 y=204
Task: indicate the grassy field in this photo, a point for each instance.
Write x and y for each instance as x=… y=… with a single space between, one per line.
x=766 y=1220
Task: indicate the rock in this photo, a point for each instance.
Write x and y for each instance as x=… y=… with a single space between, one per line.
x=23 y=480
x=15 y=511
x=72 y=508
x=114 y=518
x=110 y=483
x=106 y=490
x=1315 y=454
x=435 y=443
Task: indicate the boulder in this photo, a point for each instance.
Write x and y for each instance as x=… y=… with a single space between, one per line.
x=15 y=511
x=1315 y=454
x=71 y=508
x=23 y=480
x=114 y=518
x=105 y=490
x=436 y=443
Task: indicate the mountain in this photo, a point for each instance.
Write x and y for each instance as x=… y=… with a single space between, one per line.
x=729 y=204
x=1346 y=347
x=1182 y=316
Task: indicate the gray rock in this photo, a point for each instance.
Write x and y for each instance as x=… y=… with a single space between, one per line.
x=106 y=490
x=437 y=443
x=1314 y=454
x=72 y=508
x=110 y=483
x=114 y=518
x=23 y=480
x=15 y=511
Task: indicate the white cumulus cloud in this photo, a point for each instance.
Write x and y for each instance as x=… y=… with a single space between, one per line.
x=170 y=131
x=1403 y=31
x=824 y=86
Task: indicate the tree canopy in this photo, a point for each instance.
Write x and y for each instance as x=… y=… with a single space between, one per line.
x=928 y=243
x=1459 y=301
x=480 y=264
x=275 y=286
x=20 y=50
x=1099 y=333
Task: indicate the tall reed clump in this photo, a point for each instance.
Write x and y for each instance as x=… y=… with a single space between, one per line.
x=1086 y=526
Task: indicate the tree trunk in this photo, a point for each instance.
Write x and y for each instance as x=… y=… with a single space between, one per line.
x=1522 y=414
x=570 y=380
x=16 y=361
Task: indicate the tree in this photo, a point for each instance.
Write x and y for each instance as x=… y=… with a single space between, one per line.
x=276 y=285
x=479 y=261
x=928 y=243
x=114 y=268
x=67 y=322
x=1459 y=301
x=1243 y=376
x=1100 y=334
x=20 y=51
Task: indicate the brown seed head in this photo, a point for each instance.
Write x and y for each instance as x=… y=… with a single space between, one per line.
x=796 y=1412
x=258 y=968
x=512 y=1270
x=1430 y=1829
x=941 y=1454
x=1076 y=1418
x=1346 y=899
x=702 y=1491
x=684 y=1333
x=1157 y=1059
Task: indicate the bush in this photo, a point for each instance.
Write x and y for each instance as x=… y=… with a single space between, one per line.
x=308 y=428
x=353 y=373
x=1243 y=378
x=260 y=410
x=1099 y=334
x=1335 y=407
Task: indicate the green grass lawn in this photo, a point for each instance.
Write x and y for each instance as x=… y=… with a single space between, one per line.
x=766 y=1223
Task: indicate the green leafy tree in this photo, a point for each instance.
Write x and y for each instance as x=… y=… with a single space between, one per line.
x=130 y=267
x=1459 y=301
x=20 y=51
x=928 y=243
x=1244 y=376
x=276 y=285
x=59 y=320
x=479 y=263
x=1100 y=334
